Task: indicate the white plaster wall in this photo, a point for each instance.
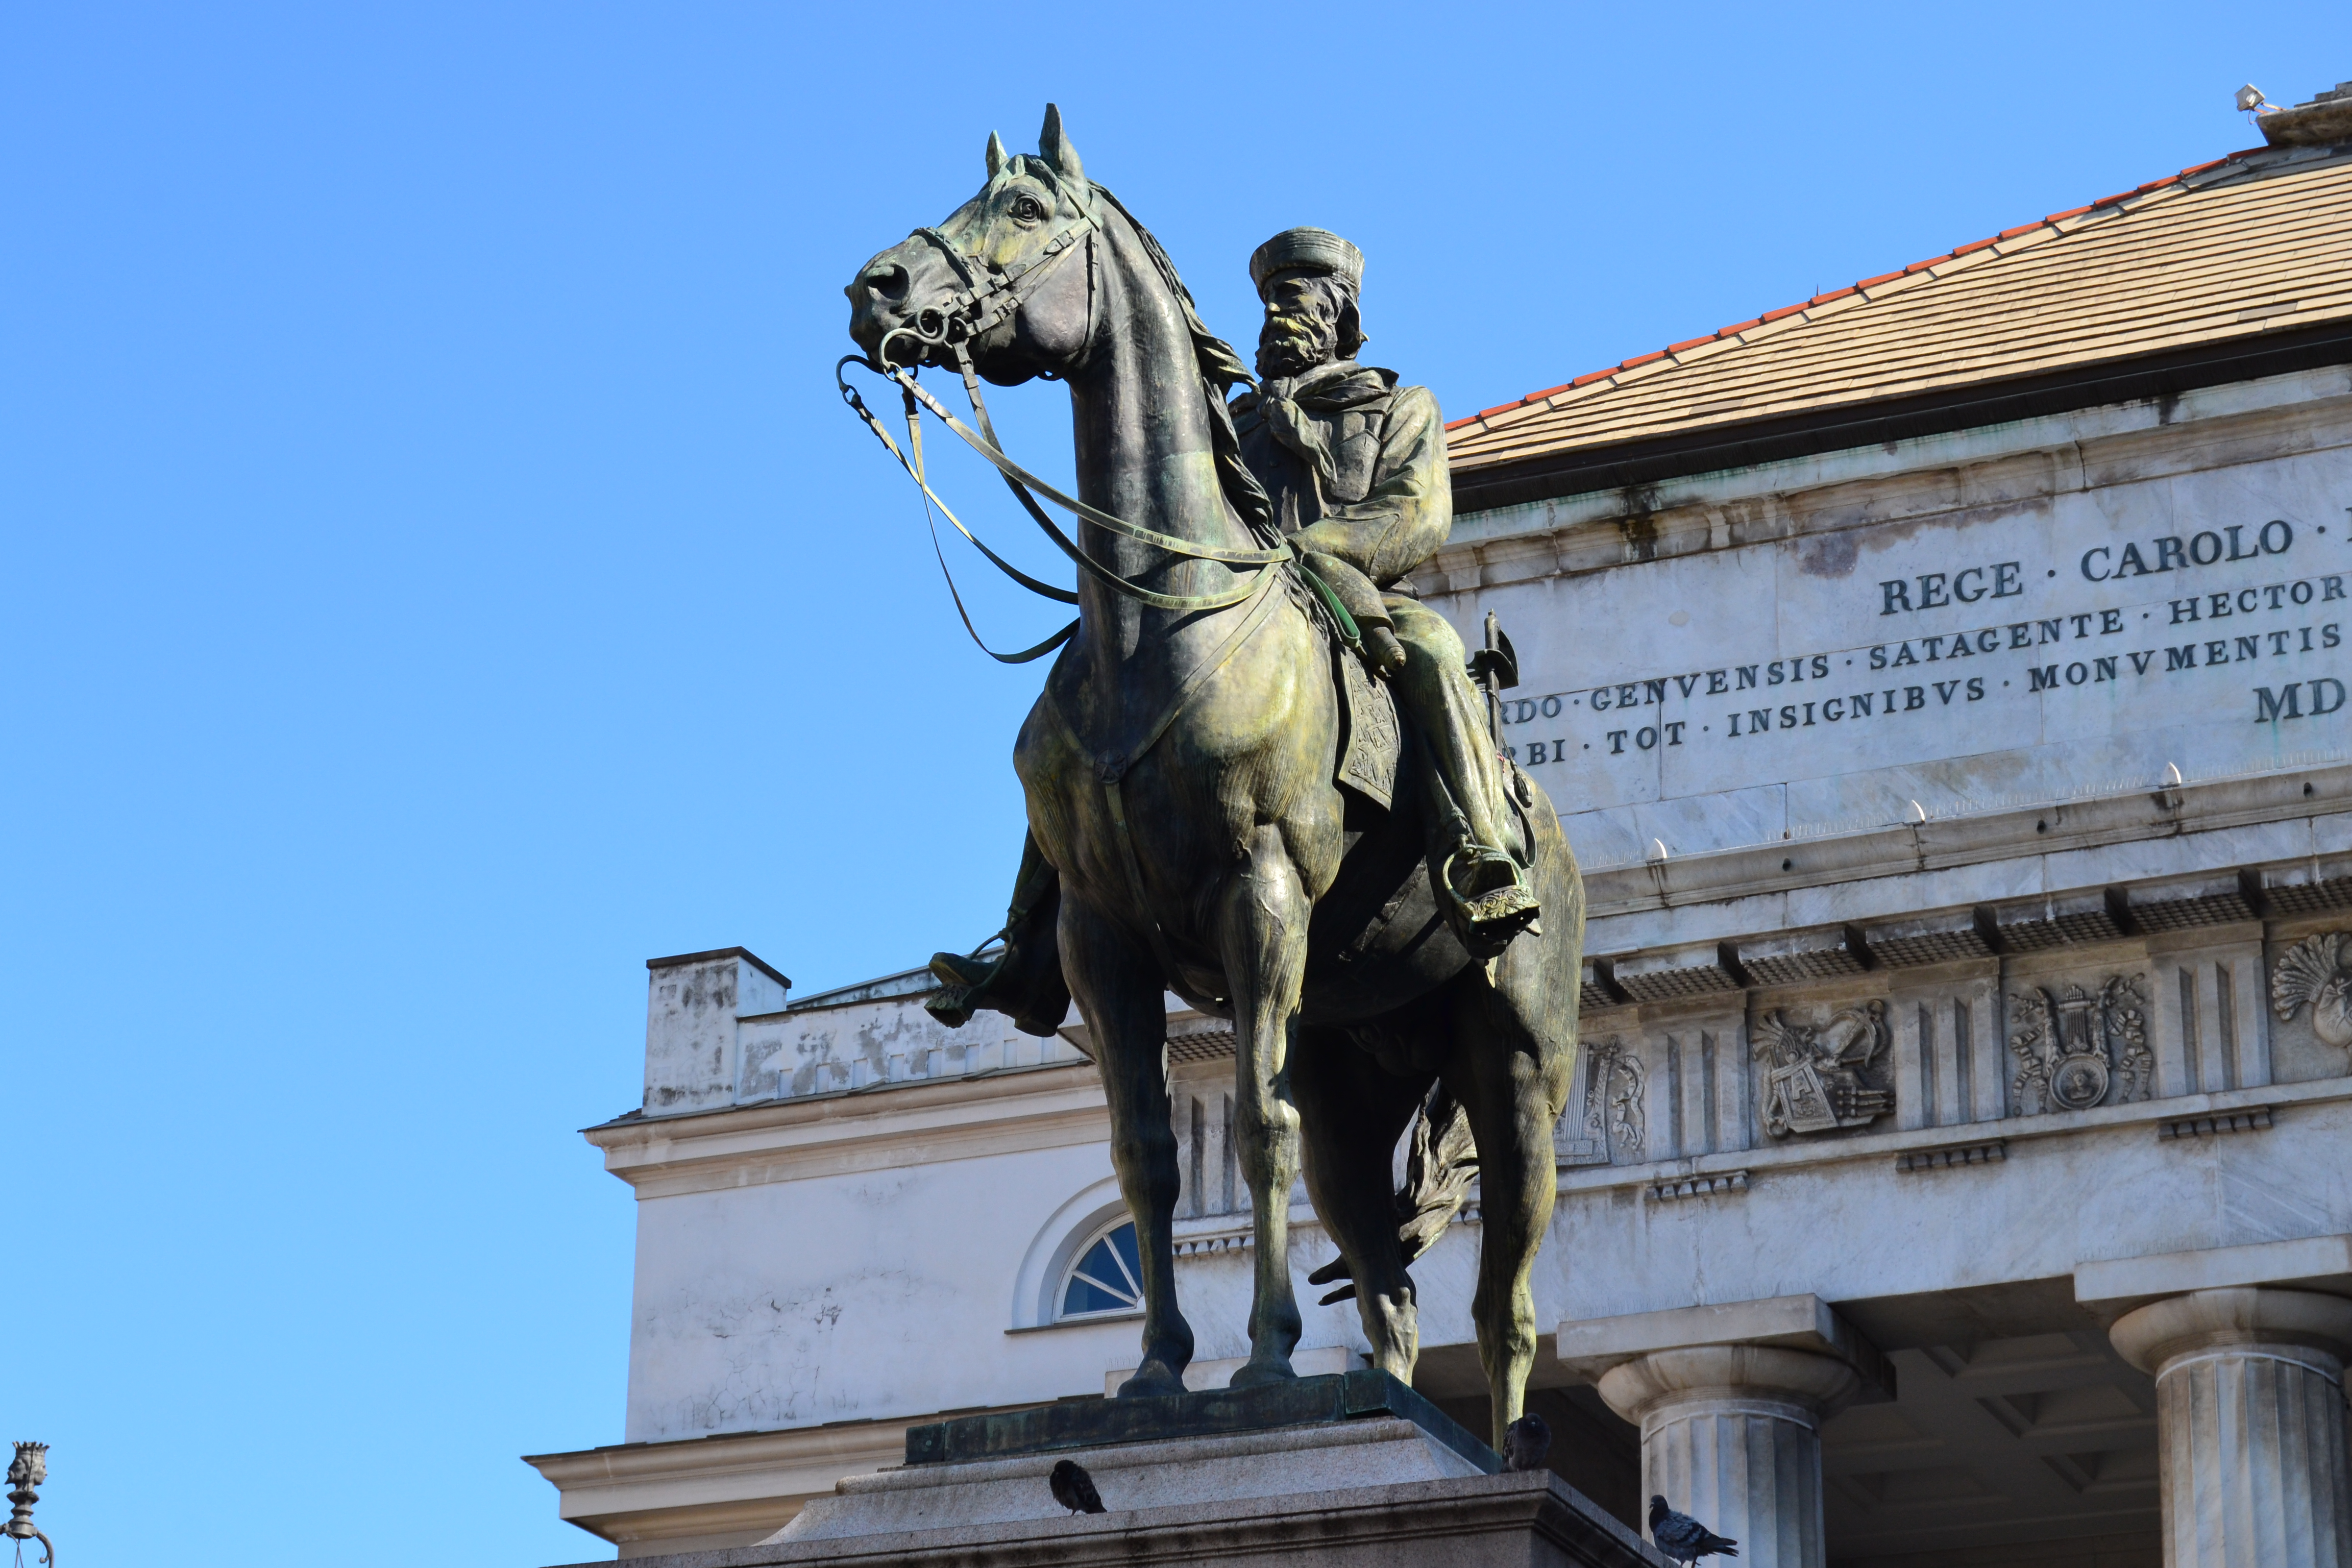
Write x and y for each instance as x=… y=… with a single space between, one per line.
x=857 y=1295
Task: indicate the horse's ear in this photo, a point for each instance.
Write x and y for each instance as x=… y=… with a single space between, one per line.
x=1054 y=147
x=995 y=154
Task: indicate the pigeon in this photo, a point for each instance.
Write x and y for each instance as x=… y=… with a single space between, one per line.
x=1682 y=1537
x=1525 y=1443
x=1074 y=1489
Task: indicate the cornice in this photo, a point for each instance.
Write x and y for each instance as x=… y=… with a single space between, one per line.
x=733 y=1482
x=1784 y=865
x=722 y=1454
x=1575 y=533
x=2013 y=1130
x=860 y=1129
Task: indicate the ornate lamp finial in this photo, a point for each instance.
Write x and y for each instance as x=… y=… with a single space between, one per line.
x=26 y=1471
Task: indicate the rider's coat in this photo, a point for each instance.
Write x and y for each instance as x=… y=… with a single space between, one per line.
x=1354 y=463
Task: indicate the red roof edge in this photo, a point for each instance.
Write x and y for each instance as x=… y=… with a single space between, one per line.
x=1738 y=327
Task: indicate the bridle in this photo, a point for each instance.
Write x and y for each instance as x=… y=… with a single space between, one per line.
x=989 y=297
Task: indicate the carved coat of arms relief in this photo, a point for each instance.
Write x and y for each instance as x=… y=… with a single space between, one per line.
x=1613 y=1116
x=1821 y=1077
x=2078 y=1048
x=2314 y=972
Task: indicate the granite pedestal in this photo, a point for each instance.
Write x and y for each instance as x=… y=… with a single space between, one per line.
x=1349 y=1471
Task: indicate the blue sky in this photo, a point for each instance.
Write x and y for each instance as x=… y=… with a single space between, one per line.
x=439 y=577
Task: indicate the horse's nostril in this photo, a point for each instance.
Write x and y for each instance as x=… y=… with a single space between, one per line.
x=886 y=280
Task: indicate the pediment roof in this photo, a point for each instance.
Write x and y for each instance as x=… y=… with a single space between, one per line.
x=2236 y=250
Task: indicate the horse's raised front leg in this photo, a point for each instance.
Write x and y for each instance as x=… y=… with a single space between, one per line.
x=1118 y=991
x=1514 y=1086
x=1351 y=1115
x=1263 y=923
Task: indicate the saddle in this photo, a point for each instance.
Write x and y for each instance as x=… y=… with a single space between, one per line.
x=1349 y=606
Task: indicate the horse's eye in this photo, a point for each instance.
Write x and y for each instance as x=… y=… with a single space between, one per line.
x=1028 y=209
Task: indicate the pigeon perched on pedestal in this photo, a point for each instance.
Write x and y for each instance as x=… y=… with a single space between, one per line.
x=1684 y=1539
x=1074 y=1489
x=1525 y=1442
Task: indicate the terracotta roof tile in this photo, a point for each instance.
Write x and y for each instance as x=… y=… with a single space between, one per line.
x=2203 y=256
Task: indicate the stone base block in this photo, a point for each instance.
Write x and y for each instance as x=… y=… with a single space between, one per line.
x=1176 y=1472
x=1465 y=1520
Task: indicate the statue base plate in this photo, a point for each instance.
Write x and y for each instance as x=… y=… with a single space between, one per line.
x=1326 y=1400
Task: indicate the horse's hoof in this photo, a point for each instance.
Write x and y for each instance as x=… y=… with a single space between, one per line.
x=1257 y=1373
x=1151 y=1381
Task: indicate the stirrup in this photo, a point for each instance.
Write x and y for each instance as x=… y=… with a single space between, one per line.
x=962 y=981
x=1488 y=901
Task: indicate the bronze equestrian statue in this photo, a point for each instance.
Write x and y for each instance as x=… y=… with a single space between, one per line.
x=1220 y=800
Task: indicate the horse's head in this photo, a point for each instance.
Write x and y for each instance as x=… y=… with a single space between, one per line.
x=1004 y=280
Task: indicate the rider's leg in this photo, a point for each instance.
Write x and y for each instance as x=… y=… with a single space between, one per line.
x=1025 y=979
x=1435 y=690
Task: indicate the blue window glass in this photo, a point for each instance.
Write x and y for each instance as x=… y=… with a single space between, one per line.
x=1108 y=1276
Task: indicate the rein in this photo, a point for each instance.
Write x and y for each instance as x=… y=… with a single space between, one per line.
x=945 y=331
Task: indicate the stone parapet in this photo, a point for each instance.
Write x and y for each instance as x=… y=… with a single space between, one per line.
x=1521 y=1521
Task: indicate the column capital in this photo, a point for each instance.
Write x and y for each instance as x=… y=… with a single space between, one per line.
x=1755 y=1380
x=1790 y=1351
x=2153 y=1336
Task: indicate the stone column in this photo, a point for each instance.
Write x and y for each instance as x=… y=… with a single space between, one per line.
x=2250 y=1425
x=1731 y=1435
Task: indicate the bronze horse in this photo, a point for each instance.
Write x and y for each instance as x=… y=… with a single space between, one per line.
x=1180 y=770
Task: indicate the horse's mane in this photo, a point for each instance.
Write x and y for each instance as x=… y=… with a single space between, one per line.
x=1219 y=368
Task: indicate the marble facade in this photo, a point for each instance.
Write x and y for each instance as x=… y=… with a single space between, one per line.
x=1954 y=1172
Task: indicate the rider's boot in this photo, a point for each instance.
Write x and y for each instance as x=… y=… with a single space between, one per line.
x=1022 y=980
x=1490 y=901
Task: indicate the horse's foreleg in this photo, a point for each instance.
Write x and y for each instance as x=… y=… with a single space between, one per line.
x=1263 y=930
x=1118 y=991
x=1351 y=1114
x=1502 y=1077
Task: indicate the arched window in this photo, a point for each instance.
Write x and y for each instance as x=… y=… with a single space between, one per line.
x=1107 y=1277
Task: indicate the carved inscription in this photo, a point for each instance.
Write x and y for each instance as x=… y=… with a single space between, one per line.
x=2078 y=1048
x=2135 y=640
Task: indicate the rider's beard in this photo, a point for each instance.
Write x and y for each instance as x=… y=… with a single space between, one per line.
x=1292 y=346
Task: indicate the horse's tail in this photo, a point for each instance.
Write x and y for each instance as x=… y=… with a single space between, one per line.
x=1437 y=1172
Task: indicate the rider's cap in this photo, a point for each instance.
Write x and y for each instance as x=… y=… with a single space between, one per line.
x=1306 y=250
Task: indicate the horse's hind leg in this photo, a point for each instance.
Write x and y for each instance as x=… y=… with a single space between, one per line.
x=1119 y=994
x=1513 y=1081
x=1350 y=1115
x=1264 y=929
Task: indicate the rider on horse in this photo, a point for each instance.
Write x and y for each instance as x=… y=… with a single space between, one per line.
x=1355 y=465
